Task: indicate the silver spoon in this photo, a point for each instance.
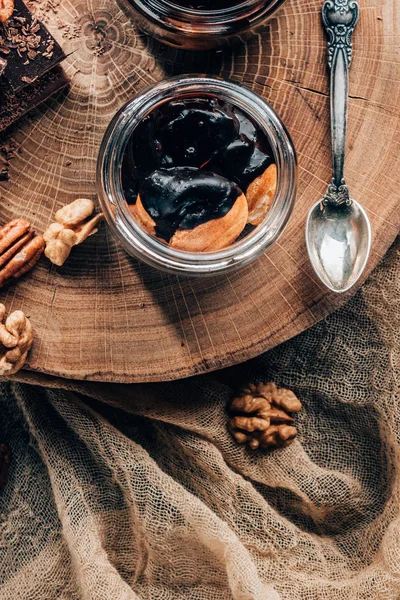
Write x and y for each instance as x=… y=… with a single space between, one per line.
x=338 y=231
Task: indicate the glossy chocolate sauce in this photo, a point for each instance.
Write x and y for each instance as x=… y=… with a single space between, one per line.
x=184 y=197
x=190 y=160
x=246 y=157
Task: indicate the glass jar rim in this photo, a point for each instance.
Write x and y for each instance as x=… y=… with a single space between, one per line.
x=144 y=246
x=171 y=11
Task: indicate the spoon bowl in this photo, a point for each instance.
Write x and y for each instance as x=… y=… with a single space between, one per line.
x=338 y=239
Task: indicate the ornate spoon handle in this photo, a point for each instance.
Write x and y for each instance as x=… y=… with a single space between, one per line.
x=339 y=18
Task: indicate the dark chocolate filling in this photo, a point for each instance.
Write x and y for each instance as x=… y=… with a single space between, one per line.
x=241 y=162
x=185 y=197
x=190 y=160
x=244 y=159
x=179 y=134
x=189 y=133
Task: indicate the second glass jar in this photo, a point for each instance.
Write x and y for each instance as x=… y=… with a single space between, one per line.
x=191 y=25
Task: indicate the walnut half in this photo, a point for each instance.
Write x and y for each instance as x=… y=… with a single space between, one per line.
x=261 y=416
x=16 y=339
x=74 y=223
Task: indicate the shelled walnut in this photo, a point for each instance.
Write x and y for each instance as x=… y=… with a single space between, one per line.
x=74 y=223
x=6 y=10
x=20 y=249
x=261 y=416
x=16 y=339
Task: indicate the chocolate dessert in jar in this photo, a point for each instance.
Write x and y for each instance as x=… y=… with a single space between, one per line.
x=201 y=24
x=197 y=175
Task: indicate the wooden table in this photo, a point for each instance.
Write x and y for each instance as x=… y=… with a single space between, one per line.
x=105 y=316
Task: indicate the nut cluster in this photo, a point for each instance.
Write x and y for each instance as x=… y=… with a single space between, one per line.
x=20 y=249
x=74 y=223
x=261 y=416
x=16 y=340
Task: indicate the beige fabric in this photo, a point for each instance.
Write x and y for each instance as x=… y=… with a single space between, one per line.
x=144 y=495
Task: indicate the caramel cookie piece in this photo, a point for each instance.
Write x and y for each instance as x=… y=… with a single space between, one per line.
x=191 y=209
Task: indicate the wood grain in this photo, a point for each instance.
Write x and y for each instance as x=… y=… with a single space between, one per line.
x=104 y=316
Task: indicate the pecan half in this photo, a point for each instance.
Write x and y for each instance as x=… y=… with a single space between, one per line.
x=74 y=223
x=16 y=339
x=20 y=249
x=6 y=10
x=261 y=416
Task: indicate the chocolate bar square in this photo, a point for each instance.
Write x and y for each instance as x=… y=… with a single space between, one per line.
x=29 y=59
x=28 y=47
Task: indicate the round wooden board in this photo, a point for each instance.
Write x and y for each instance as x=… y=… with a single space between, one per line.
x=104 y=316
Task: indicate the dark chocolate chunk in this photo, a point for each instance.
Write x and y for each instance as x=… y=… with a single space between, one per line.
x=14 y=106
x=32 y=51
x=184 y=197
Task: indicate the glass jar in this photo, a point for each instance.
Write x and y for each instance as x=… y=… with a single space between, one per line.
x=142 y=245
x=194 y=29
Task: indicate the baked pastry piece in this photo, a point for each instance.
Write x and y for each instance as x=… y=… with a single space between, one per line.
x=191 y=209
x=260 y=195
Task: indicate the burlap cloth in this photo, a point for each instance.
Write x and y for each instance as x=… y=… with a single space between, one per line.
x=140 y=492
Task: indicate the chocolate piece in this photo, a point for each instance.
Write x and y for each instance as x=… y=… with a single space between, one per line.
x=184 y=197
x=31 y=74
x=31 y=51
x=14 y=106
